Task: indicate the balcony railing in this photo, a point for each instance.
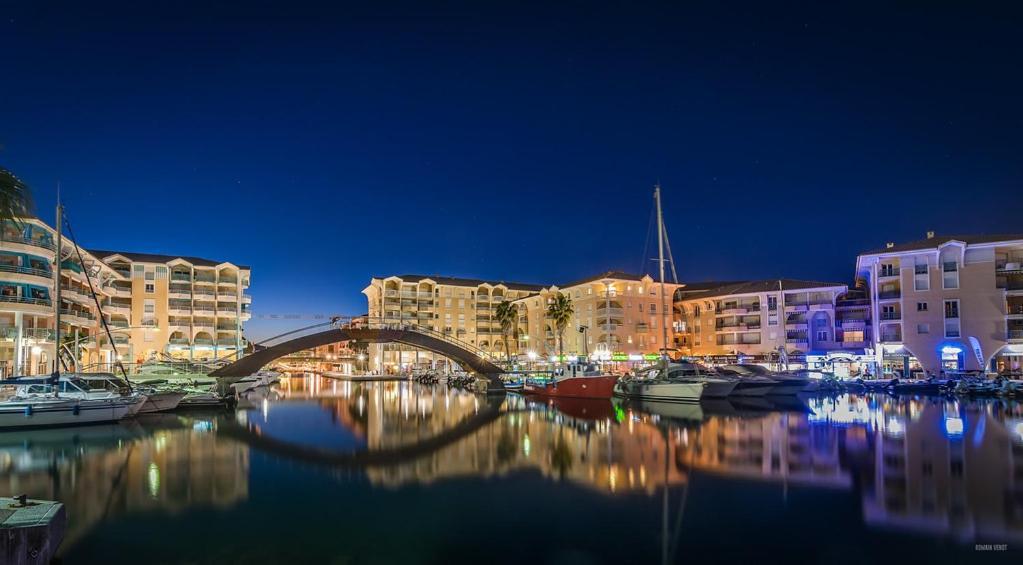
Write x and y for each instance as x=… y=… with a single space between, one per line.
x=44 y=273
x=44 y=243
x=26 y=300
x=1015 y=334
x=891 y=316
x=889 y=294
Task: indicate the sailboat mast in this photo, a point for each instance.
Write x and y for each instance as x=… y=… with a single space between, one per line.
x=56 y=293
x=660 y=263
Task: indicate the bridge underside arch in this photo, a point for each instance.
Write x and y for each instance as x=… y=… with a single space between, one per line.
x=251 y=363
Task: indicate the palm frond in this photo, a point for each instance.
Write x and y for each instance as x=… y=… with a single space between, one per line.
x=15 y=197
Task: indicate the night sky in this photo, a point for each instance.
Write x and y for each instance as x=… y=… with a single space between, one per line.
x=326 y=144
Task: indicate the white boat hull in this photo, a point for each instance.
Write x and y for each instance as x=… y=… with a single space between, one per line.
x=689 y=392
x=72 y=412
x=161 y=402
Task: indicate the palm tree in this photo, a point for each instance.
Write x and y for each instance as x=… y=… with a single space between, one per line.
x=15 y=197
x=508 y=316
x=560 y=310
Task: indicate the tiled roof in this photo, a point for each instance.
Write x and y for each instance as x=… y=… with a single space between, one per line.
x=156 y=258
x=934 y=242
x=751 y=287
x=459 y=281
x=617 y=275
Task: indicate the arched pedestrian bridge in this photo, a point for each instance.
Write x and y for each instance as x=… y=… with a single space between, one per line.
x=372 y=330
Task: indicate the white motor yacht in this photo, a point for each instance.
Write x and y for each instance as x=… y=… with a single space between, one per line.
x=656 y=383
x=64 y=401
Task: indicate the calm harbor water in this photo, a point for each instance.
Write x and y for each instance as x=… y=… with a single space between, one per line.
x=327 y=471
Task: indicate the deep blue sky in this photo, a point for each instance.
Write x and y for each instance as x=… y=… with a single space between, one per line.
x=326 y=144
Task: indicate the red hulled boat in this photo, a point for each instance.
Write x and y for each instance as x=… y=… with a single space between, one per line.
x=576 y=381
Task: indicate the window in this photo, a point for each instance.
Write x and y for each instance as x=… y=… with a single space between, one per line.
x=822 y=335
x=149 y=306
x=950 y=274
x=921 y=280
x=150 y=275
x=923 y=328
x=888 y=313
x=150 y=288
x=888 y=270
x=772 y=319
x=772 y=302
x=921 y=306
x=852 y=335
x=653 y=308
x=161 y=272
x=137 y=271
x=952 y=318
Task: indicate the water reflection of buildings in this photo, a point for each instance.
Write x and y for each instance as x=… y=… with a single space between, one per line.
x=920 y=464
x=106 y=471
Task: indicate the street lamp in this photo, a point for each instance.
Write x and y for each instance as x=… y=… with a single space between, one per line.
x=586 y=349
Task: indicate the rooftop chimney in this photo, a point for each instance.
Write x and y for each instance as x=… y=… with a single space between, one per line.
x=930 y=235
x=889 y=245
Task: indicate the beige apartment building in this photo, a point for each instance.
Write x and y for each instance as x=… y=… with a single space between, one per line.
x=947 y=303
x=618 y=316
x=766 y=321
x=181 y=307
x=460 y=308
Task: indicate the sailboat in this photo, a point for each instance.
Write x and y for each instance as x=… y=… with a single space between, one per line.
x=64 y=400
x=667 y=380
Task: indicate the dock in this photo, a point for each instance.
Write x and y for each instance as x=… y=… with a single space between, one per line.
x=30 y=530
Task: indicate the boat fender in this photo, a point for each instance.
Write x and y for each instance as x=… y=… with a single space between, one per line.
x=28 y=410
x=75 y=410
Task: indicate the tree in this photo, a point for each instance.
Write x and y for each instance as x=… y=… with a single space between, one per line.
x=560 y=310
x=508 y=316
x=15 y=197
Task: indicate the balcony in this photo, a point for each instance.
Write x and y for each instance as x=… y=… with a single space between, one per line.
x=38 y=334
x=227 y=312
x=182 y=294
x=205 y=279
x=181 y=277
x=202 y=341
x=891 y=337
x=203 y=292
x=891 y=316
x=889 y=295
x=43 y=243
x=642 y=327
x=1009 y=267
x=610 y=327
x=25 y=300
x=178 y=341
x=41 y=273
x=727 y=309
x=233 y=281
x=1015 y=335
x=603 y=312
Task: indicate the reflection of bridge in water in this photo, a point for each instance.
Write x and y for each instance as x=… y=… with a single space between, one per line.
x=369 y=330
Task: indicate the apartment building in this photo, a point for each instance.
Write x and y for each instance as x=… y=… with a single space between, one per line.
x=183 y=307
x=767 y=321
x=947 y=303
x=27 y=258
x=460 y=308
x=617 y=316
